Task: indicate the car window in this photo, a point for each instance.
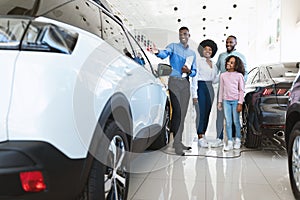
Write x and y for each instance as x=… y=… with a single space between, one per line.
x=263 y=75
x=139 y=54
x=114 y=34
x=253 y=76
x=82 y=14
x=283 y=70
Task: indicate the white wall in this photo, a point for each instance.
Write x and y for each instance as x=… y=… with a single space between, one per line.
x=290 y=34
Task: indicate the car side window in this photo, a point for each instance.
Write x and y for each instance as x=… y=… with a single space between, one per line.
x=264 y=75
x=253 y=76
x=114 y=34
x=139 y=54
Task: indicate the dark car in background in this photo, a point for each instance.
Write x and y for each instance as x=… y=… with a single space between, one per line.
x=292 y=137
x=266 y=97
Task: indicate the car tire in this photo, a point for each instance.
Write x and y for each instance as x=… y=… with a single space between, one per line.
x=293 y=159
x=110 y=180
x=252 y=140
x=164 y=136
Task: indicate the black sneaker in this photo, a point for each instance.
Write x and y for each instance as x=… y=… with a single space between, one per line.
x=186 y=147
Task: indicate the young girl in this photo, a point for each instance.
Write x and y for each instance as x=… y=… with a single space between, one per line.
x=231 y=94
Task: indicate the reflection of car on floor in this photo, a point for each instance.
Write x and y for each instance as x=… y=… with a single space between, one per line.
x=266 y=97
x=73 y=107
x=292 y=137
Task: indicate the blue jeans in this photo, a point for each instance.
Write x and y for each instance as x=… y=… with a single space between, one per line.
x=205 y=95
x=231 y=114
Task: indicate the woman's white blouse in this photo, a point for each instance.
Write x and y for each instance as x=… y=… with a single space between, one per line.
x=204 y=73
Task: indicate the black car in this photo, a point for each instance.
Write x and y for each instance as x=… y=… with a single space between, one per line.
x=266 y=97
x=292 y=137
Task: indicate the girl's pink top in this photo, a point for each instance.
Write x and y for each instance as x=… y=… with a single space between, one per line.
x=232 y=86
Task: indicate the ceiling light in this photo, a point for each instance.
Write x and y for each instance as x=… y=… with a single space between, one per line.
x=234 y=5
x=175 y=8
x=203 y=18
x=230 y=18
x=179 y=20
x=204 y=7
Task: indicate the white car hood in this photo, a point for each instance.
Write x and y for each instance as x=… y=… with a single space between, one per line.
x=7 y=67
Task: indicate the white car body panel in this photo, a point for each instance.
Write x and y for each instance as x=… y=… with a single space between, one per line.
x=58 y=98
x=8 y=59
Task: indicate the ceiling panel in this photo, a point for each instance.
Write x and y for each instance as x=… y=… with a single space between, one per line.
x=212 y=19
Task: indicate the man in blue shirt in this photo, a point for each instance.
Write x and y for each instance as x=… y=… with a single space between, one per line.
x=231 y=43
x=183 y=62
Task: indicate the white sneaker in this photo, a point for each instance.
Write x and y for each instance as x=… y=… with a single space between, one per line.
x=229 y=146
x=217 y=143
x=237 y=143
x=203 y=143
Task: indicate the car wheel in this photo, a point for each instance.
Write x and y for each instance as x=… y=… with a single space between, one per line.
x=110 y=180
x=294 y=159
x=252 y=140
x=164 y=135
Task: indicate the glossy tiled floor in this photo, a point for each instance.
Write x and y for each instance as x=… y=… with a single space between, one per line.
x=210 y=173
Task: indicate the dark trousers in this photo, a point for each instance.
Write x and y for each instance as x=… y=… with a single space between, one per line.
x=179 y=89
x=205 y=95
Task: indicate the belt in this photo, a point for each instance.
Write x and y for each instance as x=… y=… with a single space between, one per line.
x=178 y=78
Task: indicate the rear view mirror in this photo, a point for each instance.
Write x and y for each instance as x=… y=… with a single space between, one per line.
x=164 y=69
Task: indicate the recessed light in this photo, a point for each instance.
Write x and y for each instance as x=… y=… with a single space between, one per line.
x=227 y=27
x=175 y=8
x=204 y=35
x=230 y=18
x=234 y=5
x=204 y=7
x=179 y=20
x=204 y=28
x=203 y=18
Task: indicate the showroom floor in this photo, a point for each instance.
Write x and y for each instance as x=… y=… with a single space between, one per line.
x=210 y=173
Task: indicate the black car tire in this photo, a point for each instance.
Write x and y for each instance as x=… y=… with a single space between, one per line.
x=102 y=184
x=164 y=136
x=293 y=153
x=252 y=140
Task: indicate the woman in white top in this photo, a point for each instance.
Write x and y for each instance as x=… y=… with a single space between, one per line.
x=202 y=89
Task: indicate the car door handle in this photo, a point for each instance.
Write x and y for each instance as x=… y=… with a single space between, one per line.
x=128 y=71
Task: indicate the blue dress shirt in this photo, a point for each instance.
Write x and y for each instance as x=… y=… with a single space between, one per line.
x=177 y=54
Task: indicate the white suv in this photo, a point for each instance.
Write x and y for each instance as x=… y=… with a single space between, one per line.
x=75 y=102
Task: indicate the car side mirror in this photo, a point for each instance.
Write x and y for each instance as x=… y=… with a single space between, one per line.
x=164 y=69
